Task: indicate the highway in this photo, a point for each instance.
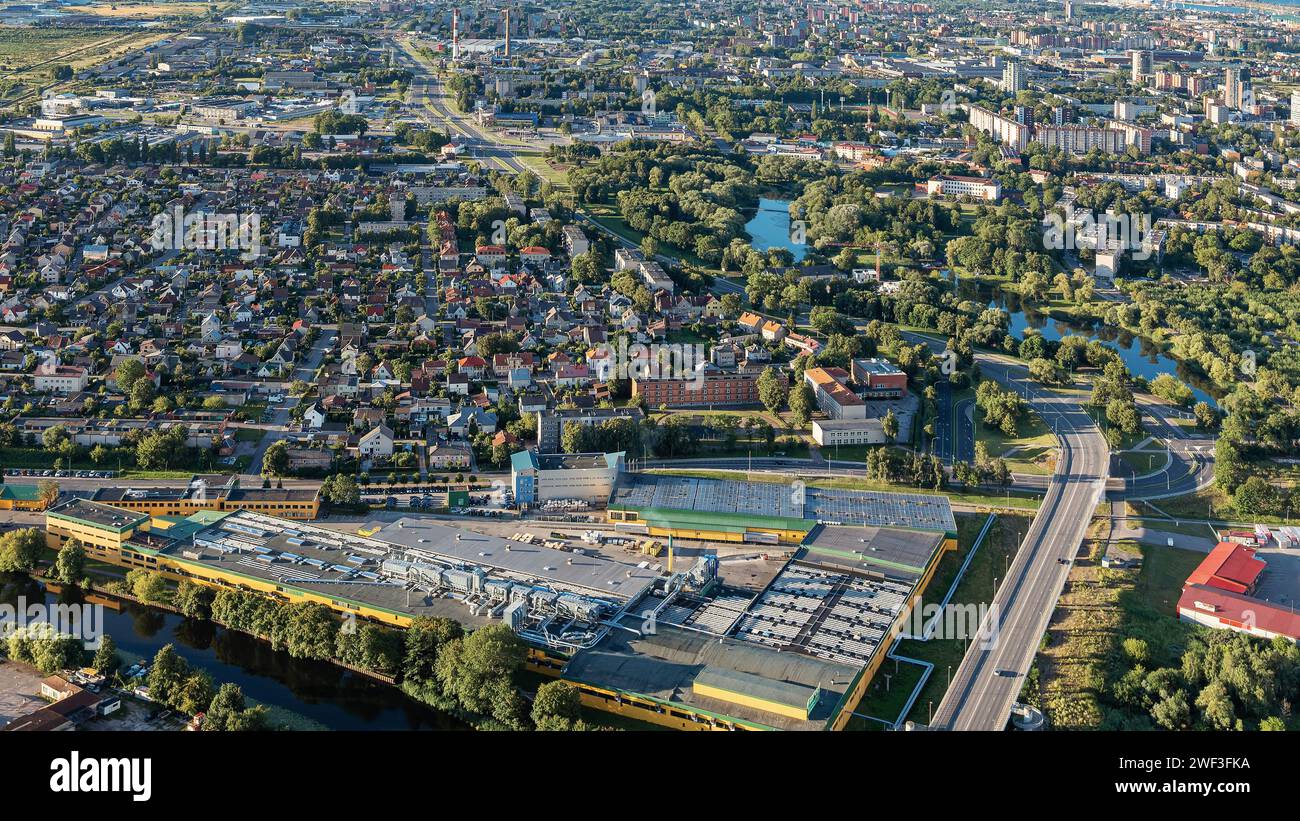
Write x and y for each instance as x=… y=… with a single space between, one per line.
x=426 y=89
x=991 y=675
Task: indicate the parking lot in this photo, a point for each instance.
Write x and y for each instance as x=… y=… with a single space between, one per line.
x=61 y=474
x=1280 y=583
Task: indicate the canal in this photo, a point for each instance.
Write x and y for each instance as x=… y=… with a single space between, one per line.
x=323 y=693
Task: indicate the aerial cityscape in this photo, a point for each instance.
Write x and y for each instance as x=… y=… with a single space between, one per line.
x=641 y=365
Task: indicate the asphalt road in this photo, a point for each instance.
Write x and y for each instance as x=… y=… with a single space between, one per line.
x=428 y=90
x=279 y=420
x=954 y=433
x=991 y=675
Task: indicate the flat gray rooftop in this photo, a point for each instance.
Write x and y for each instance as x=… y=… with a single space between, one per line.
x=904 y=553
x=99 y=514
x=596 y=575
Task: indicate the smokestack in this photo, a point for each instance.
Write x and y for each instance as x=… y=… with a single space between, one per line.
x=455 y=35
x=507 y=34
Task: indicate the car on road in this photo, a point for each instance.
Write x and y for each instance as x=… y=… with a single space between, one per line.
x=1008 y=673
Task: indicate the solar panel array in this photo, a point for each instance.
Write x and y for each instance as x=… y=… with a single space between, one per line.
x=711 y=495
x=719 y=614
x=823 y=613
x=912 y=510
x=918 y=511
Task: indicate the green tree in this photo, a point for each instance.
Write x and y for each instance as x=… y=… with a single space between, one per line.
x=1256 y=497
x=194 y=693
x=423 y=639
x=167 y=675
x=557 y=706
x=275 y=461
x=193 y=600
x=228 y=712
x=801 y=403
x=127 y=373
x=20 y=550
x=889 y=426
x=770 y=390
x=106 y=661
x=70 y=564
x=148 y=586
x=478 y=671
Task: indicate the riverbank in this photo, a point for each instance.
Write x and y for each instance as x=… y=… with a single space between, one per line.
x=320 y=694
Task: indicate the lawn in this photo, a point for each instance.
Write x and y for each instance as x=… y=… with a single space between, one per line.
x=1031 y=450
x=1146 y=459
x=1213 y=504
x=1171 y=526
x=119 y=9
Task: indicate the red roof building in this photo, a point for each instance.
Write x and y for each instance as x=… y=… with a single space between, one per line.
x=1223 y=610
x=1218 y=594
x=1231 y=567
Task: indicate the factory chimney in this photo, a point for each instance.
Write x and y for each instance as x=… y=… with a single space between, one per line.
x=455 y=35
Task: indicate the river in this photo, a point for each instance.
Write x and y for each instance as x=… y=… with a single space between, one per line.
x=323 y=693
x=1142 y=357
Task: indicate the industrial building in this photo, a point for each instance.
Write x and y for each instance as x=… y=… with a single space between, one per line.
x=797 y=655
x=218 y=493
x=392 y=574
x=21 y=497
x=677 y=648
x=1223 y=593
x=726 y=510
x=585 y=477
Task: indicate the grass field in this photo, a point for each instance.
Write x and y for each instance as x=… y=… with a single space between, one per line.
x=1098 y=609
x=182 y=8
x=1213 y=504
x=20 y=47
x=1031 y=450
x=1144 y=460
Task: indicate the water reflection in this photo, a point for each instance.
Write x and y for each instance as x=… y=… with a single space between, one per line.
x=322 y=692
x=770 y=228
x=1143 y=357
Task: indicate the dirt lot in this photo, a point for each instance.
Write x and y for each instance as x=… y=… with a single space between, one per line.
x=133 y=716
x=20 y=688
